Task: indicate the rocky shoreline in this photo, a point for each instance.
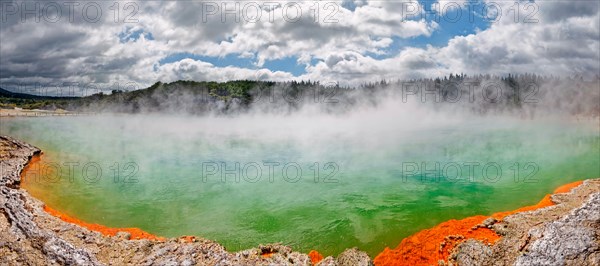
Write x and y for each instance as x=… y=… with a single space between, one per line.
x=566 y=232
x=562 y=229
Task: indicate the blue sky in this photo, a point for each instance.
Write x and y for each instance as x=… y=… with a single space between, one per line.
x=287 y=64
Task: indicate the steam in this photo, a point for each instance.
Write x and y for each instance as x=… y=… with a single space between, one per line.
x=524 y=96
x=368 y=132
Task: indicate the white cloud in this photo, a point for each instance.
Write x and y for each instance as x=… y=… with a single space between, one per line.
x=563 y=45
x=189 y=69
x=444 y=6
x=564 y=41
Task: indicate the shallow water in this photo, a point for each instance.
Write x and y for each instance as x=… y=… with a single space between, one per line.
x=168 y=184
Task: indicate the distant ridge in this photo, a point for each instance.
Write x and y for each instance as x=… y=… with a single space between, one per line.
x=10 y=94
x=526 y=94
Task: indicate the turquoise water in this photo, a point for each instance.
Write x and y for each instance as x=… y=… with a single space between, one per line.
x=167 y=182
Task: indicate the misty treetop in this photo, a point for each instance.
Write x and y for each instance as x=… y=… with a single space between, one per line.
x=526 y=94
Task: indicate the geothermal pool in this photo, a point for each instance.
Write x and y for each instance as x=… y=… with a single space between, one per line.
x=164 y=174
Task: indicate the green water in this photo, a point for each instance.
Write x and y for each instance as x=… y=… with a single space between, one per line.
x=365 y=202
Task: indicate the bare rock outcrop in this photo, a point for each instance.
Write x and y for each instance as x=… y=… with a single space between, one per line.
x=353 y=256
x=567 y=233
x=14 y=156
x=572 y=240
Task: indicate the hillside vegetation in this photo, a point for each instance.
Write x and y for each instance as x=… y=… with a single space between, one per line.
x=480 y=94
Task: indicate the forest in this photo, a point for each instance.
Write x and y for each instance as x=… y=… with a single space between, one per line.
x=479 y=94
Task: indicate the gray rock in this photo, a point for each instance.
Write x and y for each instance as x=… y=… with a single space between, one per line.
x=572 y=240
x=471 y=252
x=15 y=156
x=327 y=261
x=353 y=256
x=489 y=222
x=124 y=235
